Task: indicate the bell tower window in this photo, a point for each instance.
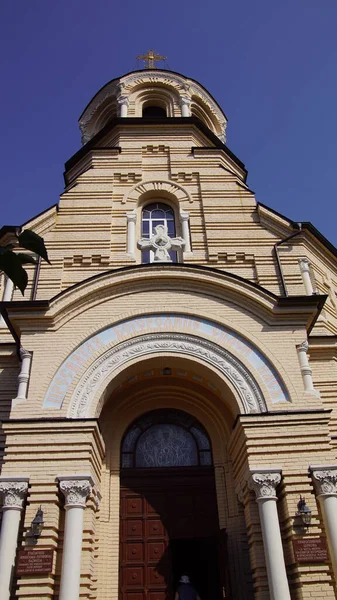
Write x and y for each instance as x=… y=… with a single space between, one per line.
x=155 y=214
x=154 y=112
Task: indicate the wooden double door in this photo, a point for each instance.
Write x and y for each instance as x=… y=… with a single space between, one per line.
x=169 y=527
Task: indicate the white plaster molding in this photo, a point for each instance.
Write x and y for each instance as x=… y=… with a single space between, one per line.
x=306 y=370
x=160 y=243
x=131 y=218
x=102 y=369
x=264 y=482
x=23 y=377
x=157 y=185
x=324 y=479
x=304 y=264
x=13 y=490
x=76 y=489
x=185 y=219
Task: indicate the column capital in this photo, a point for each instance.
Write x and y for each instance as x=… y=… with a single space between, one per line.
x=184 y=215
x=25 y=353
x=122 y=99
x=324 y=479
x=13 y=490
x=304 y=264
x=76 y=489
x=131 y=216
x=304 y=347
x=264 y=482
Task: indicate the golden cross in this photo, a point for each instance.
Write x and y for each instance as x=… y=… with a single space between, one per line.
x=150 y=58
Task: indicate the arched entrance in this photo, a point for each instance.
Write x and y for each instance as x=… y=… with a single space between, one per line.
x=169 y=523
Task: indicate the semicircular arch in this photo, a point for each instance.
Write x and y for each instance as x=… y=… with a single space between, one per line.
x=86 y=400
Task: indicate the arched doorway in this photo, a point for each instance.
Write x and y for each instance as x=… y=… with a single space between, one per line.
x=169 y=522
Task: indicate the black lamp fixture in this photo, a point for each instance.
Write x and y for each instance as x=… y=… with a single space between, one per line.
x=304 y=512
x=37 y=524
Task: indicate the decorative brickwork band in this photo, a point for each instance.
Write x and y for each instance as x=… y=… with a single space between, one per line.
x=76 y=491
x=13 y=493
x=264 y=484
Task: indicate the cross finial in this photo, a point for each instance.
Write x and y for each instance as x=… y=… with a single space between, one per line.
x=150 y=59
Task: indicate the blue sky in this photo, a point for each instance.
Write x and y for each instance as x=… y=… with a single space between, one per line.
x=271 y=65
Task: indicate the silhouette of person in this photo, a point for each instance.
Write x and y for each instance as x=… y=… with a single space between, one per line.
x=185 y=590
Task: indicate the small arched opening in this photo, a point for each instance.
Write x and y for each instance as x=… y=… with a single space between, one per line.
x=154 y=112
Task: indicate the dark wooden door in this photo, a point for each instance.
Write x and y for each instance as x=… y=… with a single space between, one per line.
x=145 y=561
x=158 y=506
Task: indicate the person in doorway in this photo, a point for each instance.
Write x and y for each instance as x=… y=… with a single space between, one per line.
x=185 y=590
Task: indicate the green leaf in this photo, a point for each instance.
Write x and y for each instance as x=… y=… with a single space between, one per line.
x=26 y=258
x=10 y=264
x=32 y=241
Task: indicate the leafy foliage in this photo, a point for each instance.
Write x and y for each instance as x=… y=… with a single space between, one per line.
x=11 y=262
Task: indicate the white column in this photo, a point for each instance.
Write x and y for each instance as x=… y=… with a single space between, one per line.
x=23 y=377
x=131 y=231
x=305 y=272
x=7 y=296
x=185 y=102
x=324 y=479
x=264 y=483
x=306 y=370
x=123 y=105
x=76 y=489
x=185 y=230
x=13 y=490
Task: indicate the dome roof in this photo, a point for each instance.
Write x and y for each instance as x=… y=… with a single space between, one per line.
x=129 y=95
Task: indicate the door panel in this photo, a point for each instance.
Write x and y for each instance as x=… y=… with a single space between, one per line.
x=158 y=506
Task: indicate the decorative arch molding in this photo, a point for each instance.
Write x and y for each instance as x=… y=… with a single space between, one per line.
x=134 y=81
x=86 y=403
x=162 y=185
x=93 y=364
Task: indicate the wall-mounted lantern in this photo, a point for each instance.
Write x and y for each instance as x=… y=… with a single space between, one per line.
x=304 y=512
x=37 y=524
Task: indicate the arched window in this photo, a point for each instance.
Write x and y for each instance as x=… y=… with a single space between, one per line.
x=157 y=214
x=166 y=438
x=154 y=112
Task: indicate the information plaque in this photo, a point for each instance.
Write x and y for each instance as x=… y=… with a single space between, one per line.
x=308 y=550
x=34 y=562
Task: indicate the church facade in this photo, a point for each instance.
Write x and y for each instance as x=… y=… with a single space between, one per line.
x=168 y=398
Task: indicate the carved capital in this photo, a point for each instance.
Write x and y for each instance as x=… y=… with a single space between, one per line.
x=131 y=216
x=264 y=483
x=25 y=353
x=75 y=490
x=123 y=100
x=185 y=100
x=304 y=264
x=184 y=215
x=304 y=347
x=324 y=480
x=13 y=493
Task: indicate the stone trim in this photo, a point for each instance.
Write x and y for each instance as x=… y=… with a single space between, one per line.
x=264 y=482
x=324 y=479
x=14 y=491
x=76 y=489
